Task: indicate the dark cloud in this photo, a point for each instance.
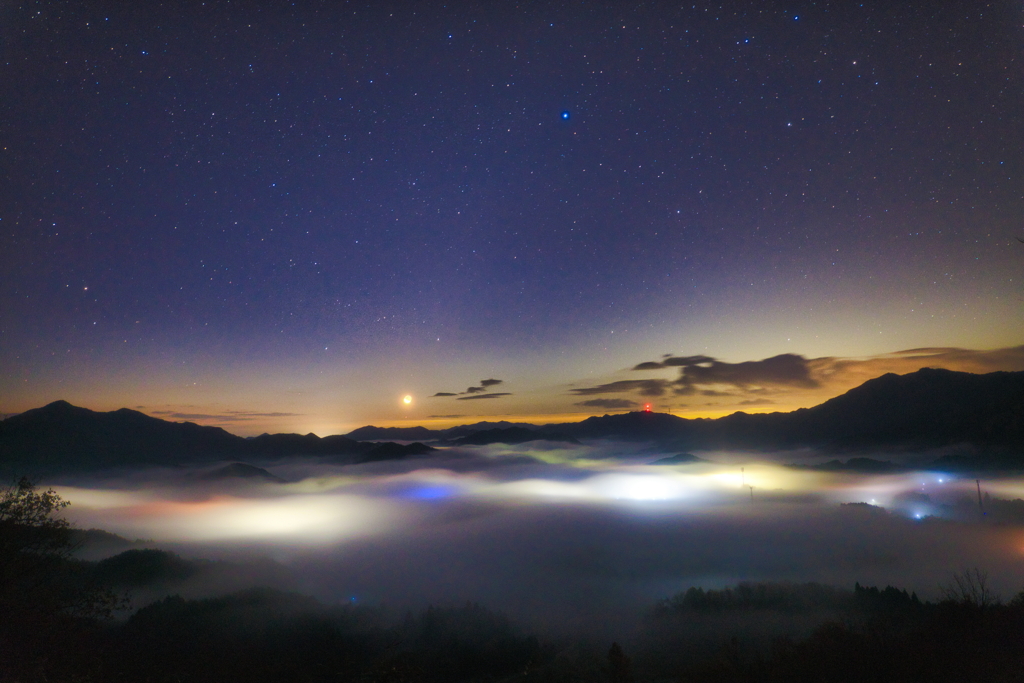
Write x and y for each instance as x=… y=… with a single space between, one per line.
x=790 y=373
x=930 y=351
x=206 y=416
x=787 y=369
x=247 y=414
x=675 y=362
x=484 y=384
x=646 y=387
x=706 y=376
x=444 y=417
x=470 y=398
x=757 y=402
x=228 y=416
x=608 y=403
x=686 y=361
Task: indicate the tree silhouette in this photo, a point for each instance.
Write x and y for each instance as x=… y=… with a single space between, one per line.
x=970 y=588
x=618 y=665
x=48 y=600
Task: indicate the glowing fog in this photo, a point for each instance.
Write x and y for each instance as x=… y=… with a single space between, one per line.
x=574 y=534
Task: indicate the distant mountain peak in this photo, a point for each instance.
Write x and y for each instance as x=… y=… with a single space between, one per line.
x=61 y=403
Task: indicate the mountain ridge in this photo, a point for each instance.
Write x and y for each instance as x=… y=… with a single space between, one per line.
x=927 y=409
x=60 y=437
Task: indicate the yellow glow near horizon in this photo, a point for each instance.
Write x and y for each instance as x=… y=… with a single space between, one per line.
x=546 y=418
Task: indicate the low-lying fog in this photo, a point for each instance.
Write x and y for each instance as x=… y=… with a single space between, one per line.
x=565 y=538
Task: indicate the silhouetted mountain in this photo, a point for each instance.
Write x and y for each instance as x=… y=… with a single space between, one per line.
x=924 y=409
x=680 y=459
x=465 y=430
x=394 y=451
x=511 y=435
x=371 y=433
x=144 y=566
x=635 y=426
x=60 y=437
x=96 y=544
x=286 y=445
x=240 y=470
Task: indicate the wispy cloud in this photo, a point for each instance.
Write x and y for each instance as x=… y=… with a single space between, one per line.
x=645 y=387
x=475 y=391
x=226 y=416
x=609 y=403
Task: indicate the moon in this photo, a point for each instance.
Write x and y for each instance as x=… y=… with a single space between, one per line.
x=407 y=399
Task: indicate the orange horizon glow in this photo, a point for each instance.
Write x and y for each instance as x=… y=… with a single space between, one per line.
x=277 y=410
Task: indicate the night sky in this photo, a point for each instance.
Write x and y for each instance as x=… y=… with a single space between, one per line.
x=287 y=217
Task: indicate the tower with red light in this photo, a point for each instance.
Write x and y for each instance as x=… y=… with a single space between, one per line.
x=647 y=407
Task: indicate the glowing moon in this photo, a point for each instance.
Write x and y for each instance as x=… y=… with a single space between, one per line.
x=407 y=400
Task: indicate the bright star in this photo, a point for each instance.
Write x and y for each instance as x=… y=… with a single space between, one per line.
x=565 y=115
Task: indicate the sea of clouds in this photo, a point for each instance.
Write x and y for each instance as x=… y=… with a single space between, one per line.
x=564 y=538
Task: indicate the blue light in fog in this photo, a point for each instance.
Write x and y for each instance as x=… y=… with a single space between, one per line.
x=429 y=492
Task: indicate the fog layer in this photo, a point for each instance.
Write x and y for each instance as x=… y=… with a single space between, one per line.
x=568 y=538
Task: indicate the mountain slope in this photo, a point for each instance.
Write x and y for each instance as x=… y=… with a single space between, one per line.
x=60 y=437
x=925 y=409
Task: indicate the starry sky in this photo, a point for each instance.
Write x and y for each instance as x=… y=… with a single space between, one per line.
x=289 y=216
